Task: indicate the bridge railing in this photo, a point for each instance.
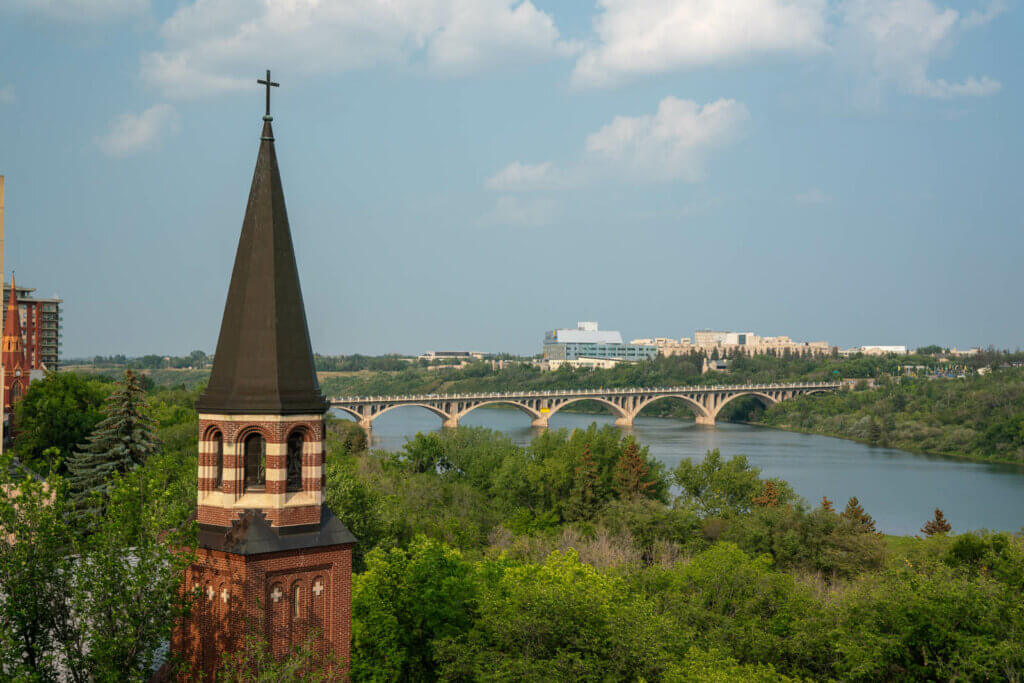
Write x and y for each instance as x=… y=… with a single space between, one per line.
x=585 y=392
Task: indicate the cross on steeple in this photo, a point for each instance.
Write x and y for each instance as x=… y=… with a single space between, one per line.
x=270 y=84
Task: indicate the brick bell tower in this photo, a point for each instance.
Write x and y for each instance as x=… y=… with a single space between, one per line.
x=273 y=559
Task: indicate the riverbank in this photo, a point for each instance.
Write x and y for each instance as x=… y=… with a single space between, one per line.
x=668 y=415
x=918 y=451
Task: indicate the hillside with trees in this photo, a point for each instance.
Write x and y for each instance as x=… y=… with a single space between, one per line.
x=976 y=416
x=575 y=557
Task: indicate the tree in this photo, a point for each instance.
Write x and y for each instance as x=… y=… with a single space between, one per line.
x=560 y=620
x=425 y=453
x=254 y=662
x=87 y=608
x=586 y=495
x=56 y=414
x=826 y=504
x=631 y=472
x=856 y=515
x=936 y=525
x=126 y=586
x=770 y=496
x=718 y=488
x=121 y=442
x=36 y=564
x=402 y=604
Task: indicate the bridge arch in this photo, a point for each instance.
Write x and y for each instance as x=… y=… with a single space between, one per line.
x=766 y=400
x=434 y=409
x=616 y=410
x=348 y=411
x=698 y=409
x=526 y=409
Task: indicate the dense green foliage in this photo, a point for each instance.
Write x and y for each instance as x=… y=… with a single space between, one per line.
x=96 y=601
x=979 y=416
x=576 y=557
x=735 y=577
x=56 y=414
x=87 y=606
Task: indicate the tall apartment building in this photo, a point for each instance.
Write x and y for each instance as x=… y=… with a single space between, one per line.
x=40 y=325
x=586 y=341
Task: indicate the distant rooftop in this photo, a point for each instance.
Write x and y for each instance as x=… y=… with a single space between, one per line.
x=585 y=333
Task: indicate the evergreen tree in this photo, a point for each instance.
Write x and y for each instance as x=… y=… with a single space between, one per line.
x=122 y=441
x=874 y=433
x=631 y=473
x=585 y=496
x=936 y=525
x=827 y=504
x=856 y=514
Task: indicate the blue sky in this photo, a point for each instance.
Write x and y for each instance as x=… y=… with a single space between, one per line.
x=468 y=173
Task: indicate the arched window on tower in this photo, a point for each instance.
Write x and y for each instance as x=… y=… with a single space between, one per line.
x=293 y=462
x=255 y=462
x=218 y=454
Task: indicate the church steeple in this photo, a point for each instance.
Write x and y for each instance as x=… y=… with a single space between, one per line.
x=264 y=361
x=273 y=561
x=13 y=355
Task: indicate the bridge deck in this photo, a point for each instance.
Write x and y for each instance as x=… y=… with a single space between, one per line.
x=621 y=391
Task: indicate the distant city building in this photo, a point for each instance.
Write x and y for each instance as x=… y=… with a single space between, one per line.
x=582 y=362
x=452 y=355
x=587 y=341
x=40 y=327
x=883 y=350
x=733 y=343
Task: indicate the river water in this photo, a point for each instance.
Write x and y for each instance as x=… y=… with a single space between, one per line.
x=899 y=489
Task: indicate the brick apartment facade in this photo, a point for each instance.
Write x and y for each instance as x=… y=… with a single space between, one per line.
x=40 y=326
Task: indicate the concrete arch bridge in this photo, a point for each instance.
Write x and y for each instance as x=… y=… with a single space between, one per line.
x=705 y=401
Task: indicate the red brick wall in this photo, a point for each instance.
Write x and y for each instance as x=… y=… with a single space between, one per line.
x=216 y=626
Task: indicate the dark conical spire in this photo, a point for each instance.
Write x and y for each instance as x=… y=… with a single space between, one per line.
x=264 y=361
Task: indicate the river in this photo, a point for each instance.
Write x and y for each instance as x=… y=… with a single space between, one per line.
x=899 y=489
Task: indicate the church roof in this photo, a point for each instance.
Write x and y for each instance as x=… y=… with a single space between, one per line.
x=264 y=361
x=252 y=534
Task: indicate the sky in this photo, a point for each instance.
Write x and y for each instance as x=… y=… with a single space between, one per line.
x=466 y=174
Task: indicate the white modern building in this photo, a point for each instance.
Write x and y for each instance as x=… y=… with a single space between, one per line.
x=587 y=341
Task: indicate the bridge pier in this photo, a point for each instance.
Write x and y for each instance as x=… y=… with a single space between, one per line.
x=451 y=423
x=624 y=421
x=540 y=422
x=367 y=426
x=708 y=420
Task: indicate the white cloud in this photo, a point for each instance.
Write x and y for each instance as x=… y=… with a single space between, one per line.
x=671 y=144
x=975 y=18
x=651 y=36
x=519 y=177
x=212 y=45
x=7 y=94
x=893 y=41
x=79 y=11
x=133 y=133
x=896 y=41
